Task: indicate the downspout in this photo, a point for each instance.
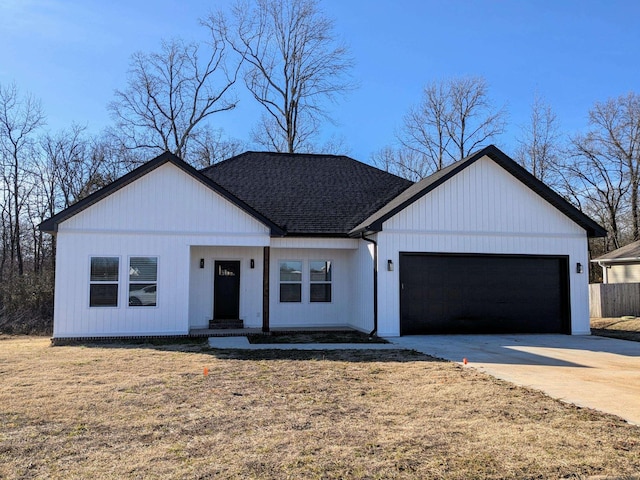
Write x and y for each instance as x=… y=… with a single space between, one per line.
x=605 y=271
x=375 y=284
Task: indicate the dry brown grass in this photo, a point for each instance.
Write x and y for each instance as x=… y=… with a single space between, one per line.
x=624 y=328
x=149 y=412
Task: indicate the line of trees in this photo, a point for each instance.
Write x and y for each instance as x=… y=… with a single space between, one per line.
x=597 y=170
x=290 y=60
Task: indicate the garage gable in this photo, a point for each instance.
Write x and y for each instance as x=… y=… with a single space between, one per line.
x=483 y=198
x=478 y=192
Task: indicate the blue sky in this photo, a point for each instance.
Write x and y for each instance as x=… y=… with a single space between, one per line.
x=73 y=54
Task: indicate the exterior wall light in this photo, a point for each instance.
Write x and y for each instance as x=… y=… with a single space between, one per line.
x=390 y=265
x=202 y=263
x=252 y=264
x=579 y=267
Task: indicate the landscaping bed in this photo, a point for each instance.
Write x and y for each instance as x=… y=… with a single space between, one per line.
x=316 y=337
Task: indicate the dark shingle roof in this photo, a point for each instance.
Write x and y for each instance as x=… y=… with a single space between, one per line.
x=374 y=222
x=628 y=253
x=307 y=194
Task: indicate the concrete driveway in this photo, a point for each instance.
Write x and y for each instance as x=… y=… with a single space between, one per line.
x=589 y=371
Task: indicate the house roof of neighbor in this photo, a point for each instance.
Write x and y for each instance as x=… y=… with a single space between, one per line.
x=627 y=254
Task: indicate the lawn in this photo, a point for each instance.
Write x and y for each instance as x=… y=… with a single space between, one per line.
x=626 y=328
x=114 y=411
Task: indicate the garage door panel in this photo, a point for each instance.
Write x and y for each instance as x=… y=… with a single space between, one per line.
x=483 y=294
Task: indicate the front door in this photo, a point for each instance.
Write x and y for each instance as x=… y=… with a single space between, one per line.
x=226 y=290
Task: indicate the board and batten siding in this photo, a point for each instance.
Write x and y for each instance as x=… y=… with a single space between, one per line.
x=201 y=284
x=362 y=278
x=162 y=214
x=483 y=209
x=338 y=312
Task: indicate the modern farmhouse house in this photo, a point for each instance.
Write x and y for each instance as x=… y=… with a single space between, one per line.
x=300 y=240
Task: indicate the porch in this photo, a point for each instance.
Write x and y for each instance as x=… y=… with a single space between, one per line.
x=295 y=285
x=243 y=332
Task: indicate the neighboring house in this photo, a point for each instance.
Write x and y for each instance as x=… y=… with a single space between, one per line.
x=619 y=293
x=299 y=240
x=621 y=265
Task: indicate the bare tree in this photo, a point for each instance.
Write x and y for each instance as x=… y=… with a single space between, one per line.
x=598 y=187
x=171 y=93
x=212 y=147
x=614 y=139
x=20 y=119
x=454 y=118
x=401 y=161
x=293 y=66
x=539 y=147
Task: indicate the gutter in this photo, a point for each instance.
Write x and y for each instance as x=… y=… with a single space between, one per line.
x=615 y=260
x=375 y=283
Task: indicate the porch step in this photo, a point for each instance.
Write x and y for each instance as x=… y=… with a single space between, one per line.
x=225 y=323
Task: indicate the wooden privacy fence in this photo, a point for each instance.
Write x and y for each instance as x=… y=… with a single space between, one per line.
x=614 y=299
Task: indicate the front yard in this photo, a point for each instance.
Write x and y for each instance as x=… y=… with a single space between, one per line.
x=625 y=328
x=149 y=412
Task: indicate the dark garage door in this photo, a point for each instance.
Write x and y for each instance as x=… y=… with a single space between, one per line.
x=449 y=293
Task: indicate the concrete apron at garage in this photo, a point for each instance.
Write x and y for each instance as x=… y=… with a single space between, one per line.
x=589 y=371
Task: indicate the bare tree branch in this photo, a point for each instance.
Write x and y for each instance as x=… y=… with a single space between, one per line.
x=293 y=66
x=453 y=118
x=171 y=93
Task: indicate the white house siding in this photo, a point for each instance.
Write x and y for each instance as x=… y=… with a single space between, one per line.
x=341 y=309
x=362 y=301
x=627 y=273
x=161 y=214
x=483 y=209
x=201 y=283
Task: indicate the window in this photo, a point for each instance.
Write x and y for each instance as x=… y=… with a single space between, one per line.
x=320 y=281
x=103 y=282
x=290 y=281
x=143 y=281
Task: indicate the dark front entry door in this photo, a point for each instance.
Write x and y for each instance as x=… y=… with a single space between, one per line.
x=226 y=290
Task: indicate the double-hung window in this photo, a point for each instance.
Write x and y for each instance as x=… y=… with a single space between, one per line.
x=103 y=282
x=320 y=281
x=143 y=281
x=291 y=281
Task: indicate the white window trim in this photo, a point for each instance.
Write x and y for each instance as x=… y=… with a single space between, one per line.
x=111 y=282
x=290 y=282
x=129 y=282
x=323 y=282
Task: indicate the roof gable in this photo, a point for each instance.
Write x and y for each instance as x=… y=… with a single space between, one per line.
x=628 y=253
x=308 y=194
x=374 y=222
x=51 y=224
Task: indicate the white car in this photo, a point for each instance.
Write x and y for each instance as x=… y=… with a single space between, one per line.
x=145 y=296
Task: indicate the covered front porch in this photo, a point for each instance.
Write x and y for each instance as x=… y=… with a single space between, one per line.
x=302 y=284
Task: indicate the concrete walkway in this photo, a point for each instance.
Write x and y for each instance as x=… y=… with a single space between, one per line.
x=589 y=371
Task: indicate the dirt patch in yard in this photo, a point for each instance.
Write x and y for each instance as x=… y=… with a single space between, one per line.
x=625 y=328
x=149 y=412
